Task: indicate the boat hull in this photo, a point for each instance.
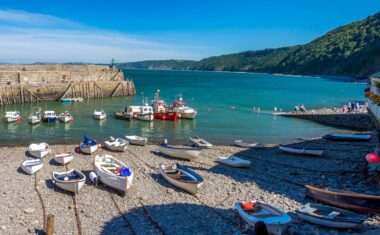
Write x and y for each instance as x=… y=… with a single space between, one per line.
x=117 y=148
x=166 y=116
x=349 y=137
x=12 y=119
x=244 y=144
x=39 y=151
x=69 y=186
x=64 y=158
x=88 y=149
x=190 y=188
x=201 y=143
x=327 y=223
x=180 y=153
x=137 y=141
x=50 y=119
x=234 y=162
x=301 y=151
x=122 y=116
x=34 y=120
x=65 y=118
x=31 y=169
x=186 y=115
x=145 y=117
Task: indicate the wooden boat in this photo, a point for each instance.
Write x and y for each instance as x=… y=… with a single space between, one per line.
x=113 y=172
x=12 y=116
x=329 y=216
x=136 y=140
x=234 y=161
x=301 y=151
x=88 y=146
x=65 y=117
x=71 y=181
x=49 y=116
x=99 y=115
x=199 y=142
x=348 y=137
x=63 y=158
x=181 y=177
x=183 y=110
x=252 y=212
x=181 y=153
x=34 y=118
x=39 y=150
x=32 y=166
x=118 y=144
x=123 y=115
x=245 y=144
x=345 y=199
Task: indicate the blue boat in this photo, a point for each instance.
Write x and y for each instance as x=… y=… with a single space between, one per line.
x=49 y=116
x=88 y=145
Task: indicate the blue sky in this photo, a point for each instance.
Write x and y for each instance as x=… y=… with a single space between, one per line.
x=96 y=31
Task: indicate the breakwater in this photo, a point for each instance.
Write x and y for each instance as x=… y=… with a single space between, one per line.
x=39 y=83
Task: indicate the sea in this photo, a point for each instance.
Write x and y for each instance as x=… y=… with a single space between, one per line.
x=227 y=104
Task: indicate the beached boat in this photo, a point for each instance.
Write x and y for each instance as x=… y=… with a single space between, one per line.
x=252 y=212
x=136 y=140
x=32 y=166
x=345 y=199
x=348 y=137
x=12 y=116
x=183 y=110
x=329 y=216
x=181 y=177
x=39 y=150
x=49 y=116
x=301 y=151
x=118 y=144
x=180 y=152
x=88 y=146
x=112 y=172
x=123 y=115
x=199 y=142
x=34 y=118
x=65 y=117
x=99 y=115
x=234 y=161
x=63 y=158
x=245 y=144
x=72 y=181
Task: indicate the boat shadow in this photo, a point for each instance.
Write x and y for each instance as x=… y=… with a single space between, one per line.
x=160 y=180
x=50 y=184
x=54 y=163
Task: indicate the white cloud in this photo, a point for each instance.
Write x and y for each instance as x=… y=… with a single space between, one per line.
x=27 y=37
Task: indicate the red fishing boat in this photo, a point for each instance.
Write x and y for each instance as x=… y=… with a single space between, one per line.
x=160 y=111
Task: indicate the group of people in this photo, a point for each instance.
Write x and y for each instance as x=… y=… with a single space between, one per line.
x=352 y=107
x=299 y=108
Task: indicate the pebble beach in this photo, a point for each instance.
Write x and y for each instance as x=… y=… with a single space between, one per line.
x=153 y=206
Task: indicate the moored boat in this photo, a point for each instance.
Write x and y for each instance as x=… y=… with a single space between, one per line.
x=252 y=212
x=49 y=116
x=12 y=116
x=348 y=137
x=329 y=216
x=34 y=118
x=65 y=117
x=145 y=113
x=99 y=115
x=180 y=152
x=181 y=177
x=170 y=116
x=136 y=140
x=113 y=172
x=199 y=142
x=118 y=144
x=123 y=115
x=301 y=151
x=345 y=199
x=161 y=111
x=32 y=166
x=234 y=161
x=39 y=150
x=72 y=181
x=88 y=146
x=183 y=110
x=246 y=144
x=63 y=158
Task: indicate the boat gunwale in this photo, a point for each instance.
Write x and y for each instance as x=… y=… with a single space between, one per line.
x=352 y=194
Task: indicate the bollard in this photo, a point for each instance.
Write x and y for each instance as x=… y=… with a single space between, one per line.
x=50 y=225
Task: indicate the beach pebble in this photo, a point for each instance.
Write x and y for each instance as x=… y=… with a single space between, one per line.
x=29 y=210
x=3 y=227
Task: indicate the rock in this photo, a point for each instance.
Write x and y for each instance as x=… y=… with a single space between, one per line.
x=3 y=227
x=30 y=230
x=29 y=210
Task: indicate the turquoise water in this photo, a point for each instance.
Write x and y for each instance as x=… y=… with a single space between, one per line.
x=213 y=94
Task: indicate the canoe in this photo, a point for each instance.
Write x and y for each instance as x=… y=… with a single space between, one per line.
x=252 y=212
x=39 y=150
x=245 y=144
x=136 y=140
x=119 y=144
x=199 y=142
x=301 y=151
x=99 y=115
x=181 y=153
x=71 y=181
x=63 y=158
x=329 y=216
x=348 y=137
x=112 y=172
x=88 y=146
x=181 y=177
x=345 y=199
x=32 y=166
x=234 y=161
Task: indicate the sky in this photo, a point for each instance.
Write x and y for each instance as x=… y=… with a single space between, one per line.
x=95 y=31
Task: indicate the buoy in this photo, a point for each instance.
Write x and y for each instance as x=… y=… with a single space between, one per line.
x=77 y=150
x=94 y=178
x=372 y=158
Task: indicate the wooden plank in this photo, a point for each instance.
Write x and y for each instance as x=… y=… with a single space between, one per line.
x=116 y=89
x=67 y=90
x=22 y=94
x=34 y=95
x=1 y=98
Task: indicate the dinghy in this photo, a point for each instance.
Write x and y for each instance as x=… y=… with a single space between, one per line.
x=348 y=137
x=99 y=115
x=234 y=161
x=34 y=118
x=181 y=177
x=71 y=181
x=123 y=115
x=345 y=199
x=39 y=150
x=301 y=151
x=49 y=116
x=88 y=146
x=252 y=212
x=178 y=152
x=199 y=142
x=245 y=144
x=65 y=117
x=118 y=144
x=63 y=158
x=136 y=140
x=32 y=166
x=12 y=116
x=113 y=172
x=329 y=216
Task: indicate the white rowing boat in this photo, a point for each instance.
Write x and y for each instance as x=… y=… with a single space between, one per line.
x=136 y=140
x=245 y=144
x=65 y=117
x=99 y=115
x=199 y=142
x=302 y=151
x=119 y=144
x=234 y=161
x=180 y=152
x=63 y=158
x=32 y=166
x=71 y=181
x=39 y=150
